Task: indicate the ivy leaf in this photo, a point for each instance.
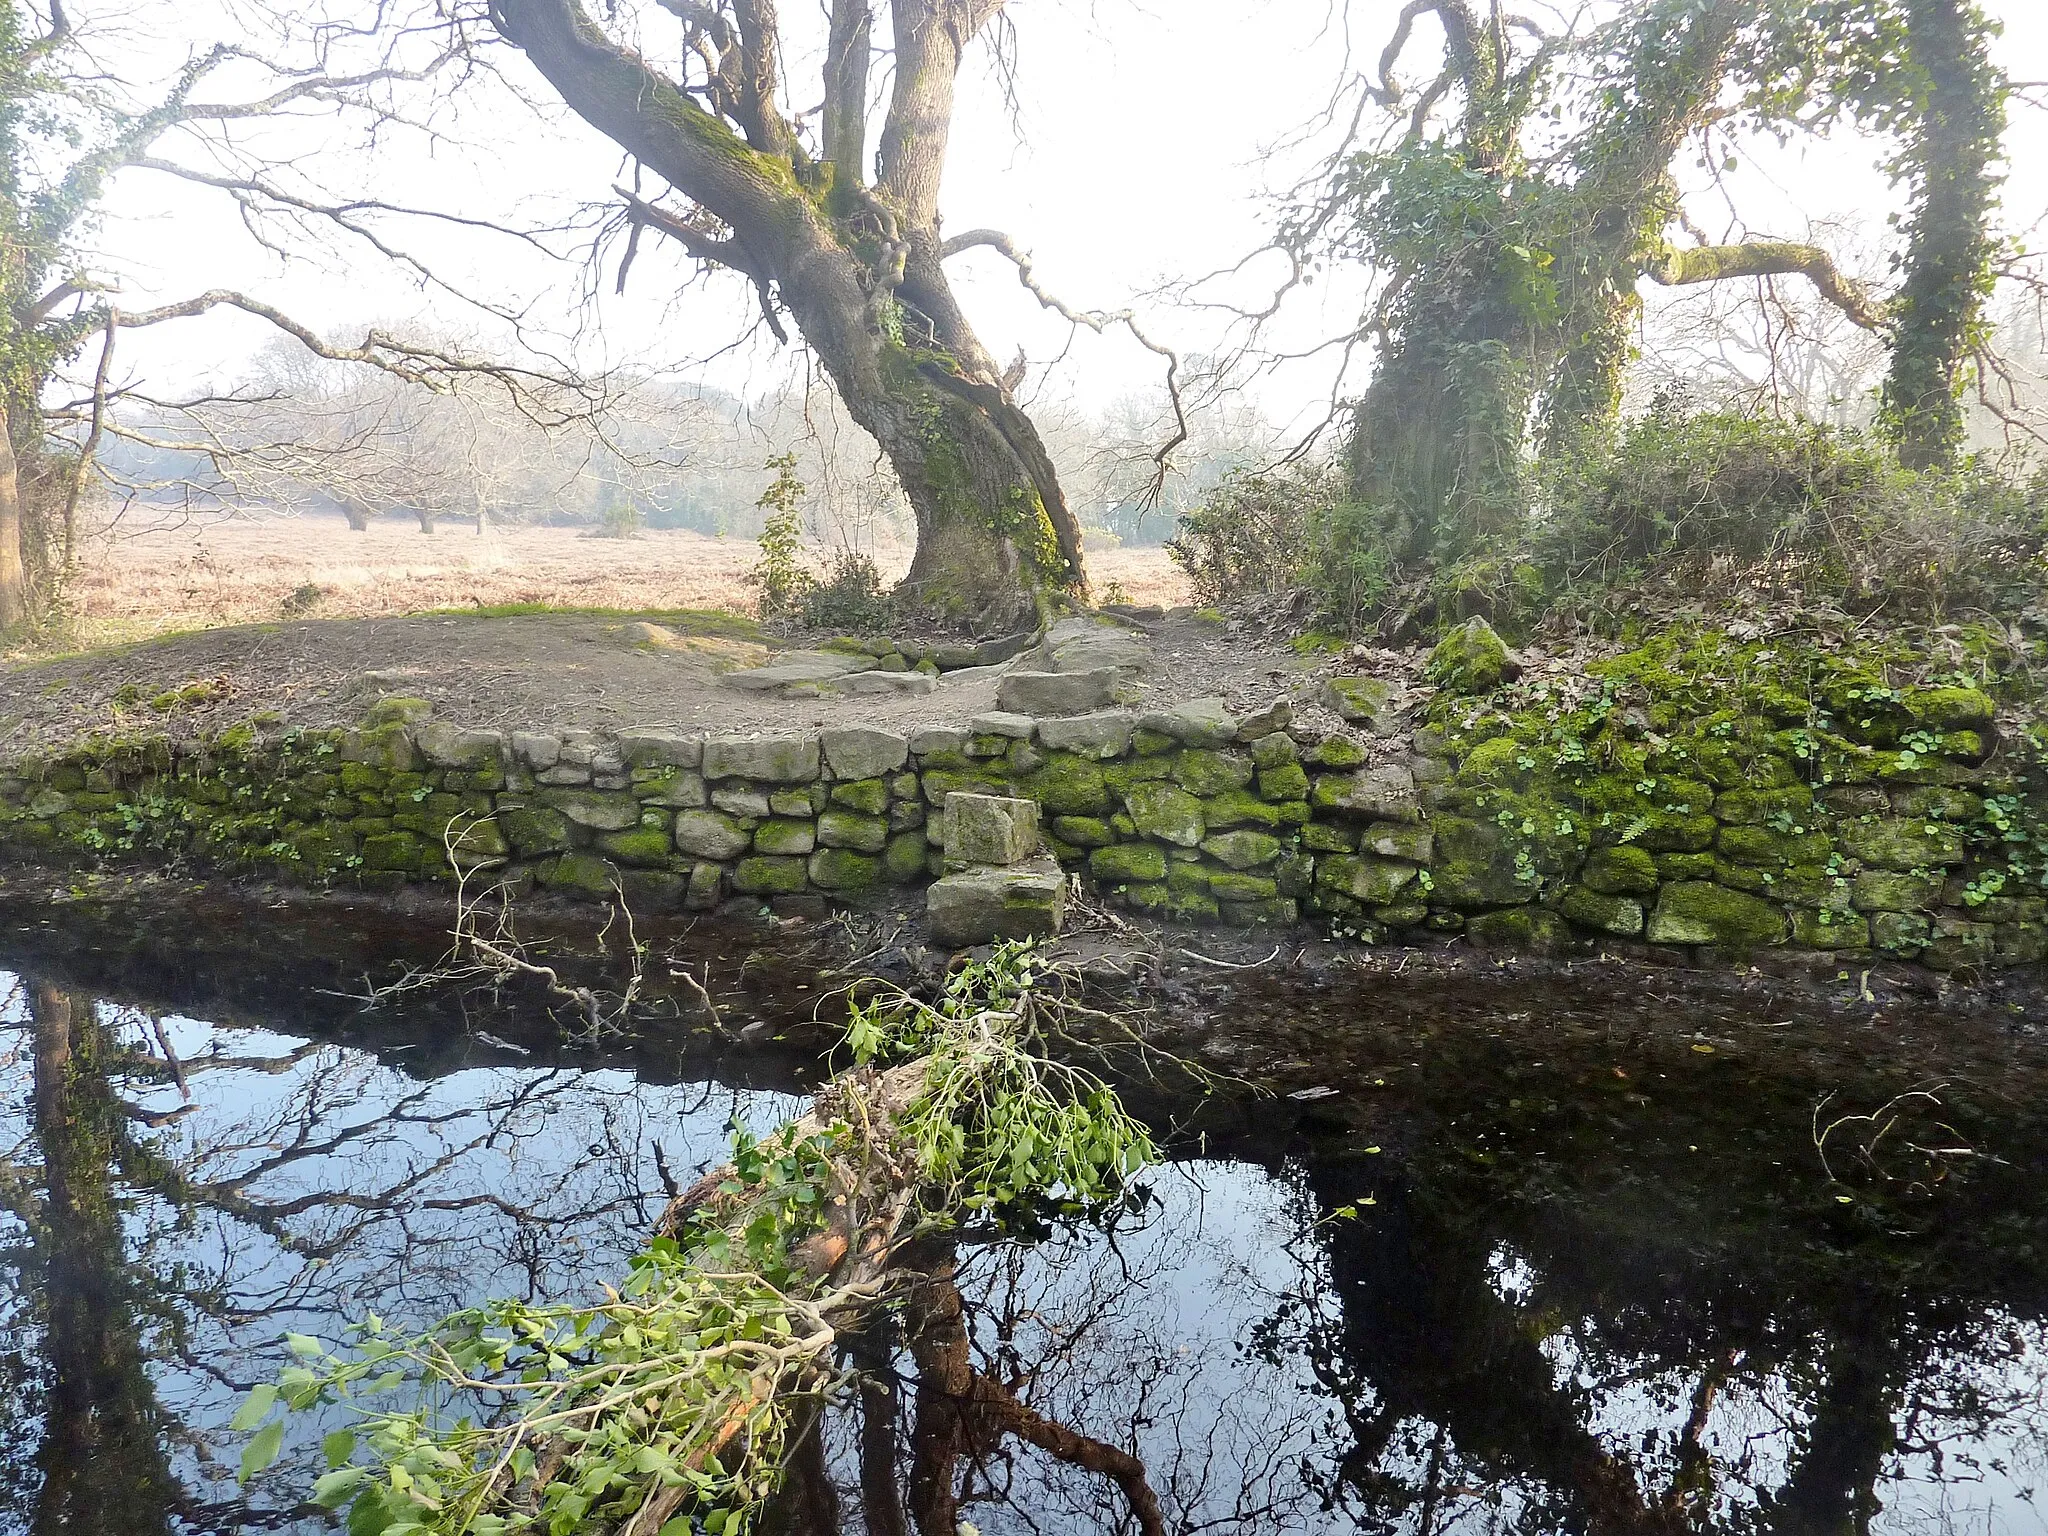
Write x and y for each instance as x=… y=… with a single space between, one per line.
x=338 y=1446
x=254 y=1407
x=262 y=1451
x=336 y=1488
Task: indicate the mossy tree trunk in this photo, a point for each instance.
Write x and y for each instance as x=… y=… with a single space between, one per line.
x=858 y=267
x=1957 y=99
x=1437 y=437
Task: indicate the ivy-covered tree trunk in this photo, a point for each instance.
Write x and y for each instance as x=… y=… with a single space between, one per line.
x=13 y=567
x=1669 y=65
x=1436 y=447
x=857 y=267
x=1952 y=147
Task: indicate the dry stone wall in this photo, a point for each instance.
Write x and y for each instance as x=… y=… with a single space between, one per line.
x=1194 y=813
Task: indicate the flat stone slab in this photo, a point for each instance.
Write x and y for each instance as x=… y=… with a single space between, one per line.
x=797 y=667
x=977 y=906
x=1086 y=645
x=1064 y=693
x=892 y=684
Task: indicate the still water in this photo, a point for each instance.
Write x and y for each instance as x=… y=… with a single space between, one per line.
x=1551 y=1257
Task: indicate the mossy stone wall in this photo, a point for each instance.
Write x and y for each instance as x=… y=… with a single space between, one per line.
x=1905 y=830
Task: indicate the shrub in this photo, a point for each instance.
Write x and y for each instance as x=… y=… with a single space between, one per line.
x=849 y=600
x=1282 y=531
x=1791 y=504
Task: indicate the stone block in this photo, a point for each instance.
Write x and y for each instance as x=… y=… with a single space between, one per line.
x=1528 y=930
x=988 y=829
x=1204 y=771
x=1242 y=808
x=1889 y=890
x=649 y=746
x=1067 y=785
x=1167 y=812
x=843 y=870
x=785 y=837
x=644 y=846
x=868 y=796
x=581 y=876
x=455 y=746
x=675 y=790
x=1364 y=879
x=1243 y=849
x=537 y=749
x=796 y=668
x=535 y=830
x=1101 y=736
x=744 y=800
x=600 y=810
x=1063 y=693
x=1385 y=793
x=1083 y=831
x=1128 y=864
x=770 y=759
x=904 y=859
x=707 y=881
x=1283 y=781
x=1830 y=928
x=1267 y=722
x=1023 y=901
x=764 y=875
x=1197 y=723
x=1899 y=843
x=1624 y=870
x=851 y=829
x=711 y=835
x=1399 y=840
x=857 y=752
x=1605 y=913
x=1903 y=934
x=1002 y=723
x=1361 y=700
x=1696 y=912
x=1472 y=659
x=938 y=739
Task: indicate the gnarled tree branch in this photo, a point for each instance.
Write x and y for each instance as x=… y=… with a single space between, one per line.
x=1675 y=268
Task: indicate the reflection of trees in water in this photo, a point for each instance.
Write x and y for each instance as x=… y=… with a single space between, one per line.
x=165 y=1248
x=1444 y=1364
x=1417 y=1372
x=1585 y=1384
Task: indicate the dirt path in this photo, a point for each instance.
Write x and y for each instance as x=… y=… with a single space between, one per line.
x=551 y=669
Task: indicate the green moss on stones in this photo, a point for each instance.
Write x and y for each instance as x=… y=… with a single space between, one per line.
x=1695 y=912
x=1128 y=864
x=1471 y=659
x=1167 y=812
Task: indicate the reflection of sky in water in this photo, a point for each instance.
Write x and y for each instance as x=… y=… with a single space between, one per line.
x=1202 y=1328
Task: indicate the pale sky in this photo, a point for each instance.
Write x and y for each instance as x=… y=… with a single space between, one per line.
x=1140 y=155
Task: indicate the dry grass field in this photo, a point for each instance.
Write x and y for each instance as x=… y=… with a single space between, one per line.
x=253 y=569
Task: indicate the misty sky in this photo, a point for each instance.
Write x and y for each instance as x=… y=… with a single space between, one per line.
x=1143 y=151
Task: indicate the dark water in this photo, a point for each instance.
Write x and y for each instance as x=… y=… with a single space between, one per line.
x=1557 y=1255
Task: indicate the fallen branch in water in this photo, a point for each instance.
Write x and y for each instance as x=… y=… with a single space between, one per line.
x=681 y=1392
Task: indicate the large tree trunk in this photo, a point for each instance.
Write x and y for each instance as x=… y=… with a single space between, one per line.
x=101 y=1454
x=858 y=271
x=1949 y=159
x=13 y=568
x=1437 y=438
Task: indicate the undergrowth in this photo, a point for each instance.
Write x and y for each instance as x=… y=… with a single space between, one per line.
x=1677 y=504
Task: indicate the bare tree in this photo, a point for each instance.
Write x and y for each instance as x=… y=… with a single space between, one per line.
x=857 y=264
